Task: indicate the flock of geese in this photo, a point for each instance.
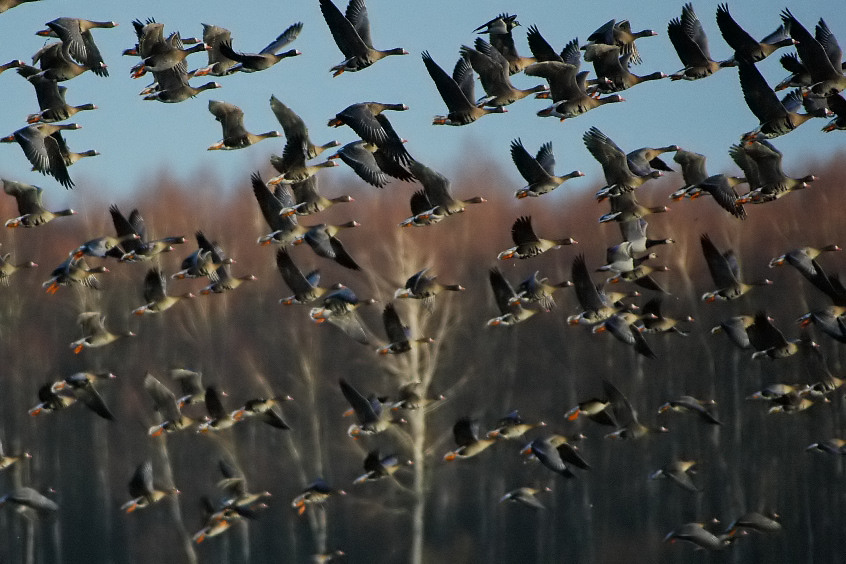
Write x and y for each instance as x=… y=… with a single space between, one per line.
x=379 y=156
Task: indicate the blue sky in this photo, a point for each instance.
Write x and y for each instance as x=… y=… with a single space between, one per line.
x=139 y=139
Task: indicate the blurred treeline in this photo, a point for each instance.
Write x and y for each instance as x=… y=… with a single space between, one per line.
x=250 y=346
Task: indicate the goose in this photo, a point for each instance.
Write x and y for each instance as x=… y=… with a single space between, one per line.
x=598 y=410
x=361 y=157
x=641 y=275
x=42 y=149
x=294 y=126
x=629 y=427
x=501 y=24
x=538 y=171
x=372 y=419
x=101 y=247
x=555 y=452
x=377 y=467
x=775 y=119
x=149 y=35
x=7 y=268
x=512 y=427
x=71 y=157
x=773 y=182
x=534 y=289
x=375 y=161
x=722 y=188
x=526 y=496
x=620 y=258
x=527 y=244
x=379 y=138
x=568 y=87
x=284 y=227
x=634 y=233
x=55 y=65
x=829 y=320
x=267 y=57
x=234 y=486
x=693 y=172
x=437 y=190
x=292 y=167
x=422 y=286
x=223 y=281
x=678 y=472
x=696 y=533
x=690 y=404
x=219 y=518
x=744 y=45
x=620 y=34
x=412 y=396
x=218 y=419
x=756 y=522
x=339 y=308
x=316 y=493
x=204 y=261
x=646 y=159
x=691 y=45
x=398 y=334
x=96 y=334
x=622 y=326
x=77 y=41
x=361 y=118
x=595 y=303
x=142 y=489
x=165 y=56
x=73 y=271
x=499 y=33
x=609 y=64
x=219 y=64
x=511 y=311
x=465 y=431
x=176 y=89
x=423 y=212
x=155 y=294
x=7 y=460
x=579 y=101
x=26 y=498
x=59 y=395
x=323 y=241
x=305 y=287
x=735 y=329
x=351 y=32
x=235 y=136
x=725 y=272
x=50 y=401
x=492 y=68
x=625 y=207
x=619 y=177
x=769 y=341
x=81 y=386
x=831 y=446
x=654 y=322
x=457 y=92
x=165 y=403
x=262 y=410
x=191 y=389
x=51 y=98
x=30 y=205
x=134 y=249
